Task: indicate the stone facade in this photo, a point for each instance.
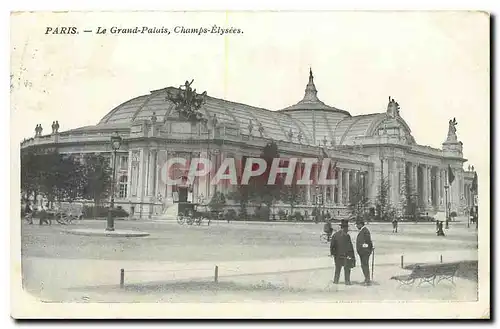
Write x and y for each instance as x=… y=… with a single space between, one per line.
x=367 y=149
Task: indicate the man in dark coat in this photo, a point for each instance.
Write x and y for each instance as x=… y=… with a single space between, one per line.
x=342 y=251
x=364 y=247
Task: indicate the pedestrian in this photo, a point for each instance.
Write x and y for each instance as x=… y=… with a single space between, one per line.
x=44 y=215
x=364 y=247
x=440 y=231
x=395 y=225
x=28 y=213
x=328 y=229
x=342 y=251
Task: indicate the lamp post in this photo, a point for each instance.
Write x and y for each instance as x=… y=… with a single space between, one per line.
x=115 y=145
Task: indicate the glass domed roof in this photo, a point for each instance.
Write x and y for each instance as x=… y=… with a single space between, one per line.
x=311 y=118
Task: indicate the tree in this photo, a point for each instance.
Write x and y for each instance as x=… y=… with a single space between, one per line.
x=269 y=192
x=243 y=194
x=258 y=190
x=409 y=198
x=359 y=202
x=69 y=179
x=56 y=176
x=217 y=202
x=97 y=178
x=384 y=209
x=30 y=173
x=291 y=194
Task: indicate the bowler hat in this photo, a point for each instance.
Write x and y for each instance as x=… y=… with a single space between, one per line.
x=344 y=223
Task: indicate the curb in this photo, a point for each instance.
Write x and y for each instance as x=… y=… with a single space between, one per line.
x=118 y=234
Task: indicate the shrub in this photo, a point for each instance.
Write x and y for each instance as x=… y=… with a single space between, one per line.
x=281 y=214
x=217 y=202
x=262 y=213
x=230 y=215
x=453 y=214
x=297 y=216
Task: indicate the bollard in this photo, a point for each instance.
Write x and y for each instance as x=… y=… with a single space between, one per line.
x=401 y=261
x=122 y=278
x=216 y=274
x=441 y=258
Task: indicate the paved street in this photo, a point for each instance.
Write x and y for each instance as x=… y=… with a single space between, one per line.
x=257 y=261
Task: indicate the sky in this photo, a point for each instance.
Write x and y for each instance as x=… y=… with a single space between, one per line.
x=435 y=64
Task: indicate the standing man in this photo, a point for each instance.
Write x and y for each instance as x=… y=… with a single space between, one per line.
x=395 y=225
x=342 y=251
x=364 y=247
x=328 y=229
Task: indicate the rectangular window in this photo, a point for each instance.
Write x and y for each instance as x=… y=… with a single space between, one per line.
x=124 y=162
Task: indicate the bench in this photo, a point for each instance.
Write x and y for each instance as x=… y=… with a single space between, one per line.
x=428 y=273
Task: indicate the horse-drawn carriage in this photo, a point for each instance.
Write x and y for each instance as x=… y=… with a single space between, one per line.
x=66 y=213
x=190 y=214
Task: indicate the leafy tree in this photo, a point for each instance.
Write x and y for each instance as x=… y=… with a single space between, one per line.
x=97 y=178
x=258 y=190
x=359 y=202
x=410 y=199
x=56 y=176
x=384 y=209
x=292 y=194
x=217 y=202
x=70 y=179
x=269 y=192
x=30 y=173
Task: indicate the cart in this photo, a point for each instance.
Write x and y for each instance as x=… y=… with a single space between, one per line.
x=189 y=214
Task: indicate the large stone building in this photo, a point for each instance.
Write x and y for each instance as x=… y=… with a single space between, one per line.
x=365 y=147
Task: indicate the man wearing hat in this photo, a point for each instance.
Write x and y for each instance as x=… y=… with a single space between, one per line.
x=342 y=251
x=364 y=247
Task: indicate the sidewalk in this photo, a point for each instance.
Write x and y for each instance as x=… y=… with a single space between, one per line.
x=48 y=274
x=291 y=278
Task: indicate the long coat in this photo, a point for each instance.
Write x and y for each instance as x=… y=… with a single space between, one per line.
x=364 y=244
x=341 y=245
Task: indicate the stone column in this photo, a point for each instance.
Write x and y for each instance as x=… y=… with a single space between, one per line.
x=468 y=196
x=157 y=169
x=439 y=182
x=340 y=185
x=438 y=187
x=364 y=181
x=444 y=182
x=142 y=171
x=151 y=180
x=424 y=187
x=347 y=185
x=169 y=186
x=395 y=186
x=372 y=184
x=427 y=183
x=152 y=173
x=308 y=194
x=414 y=167
x=332 y=187
x=129 y=174
x=390 y=180
x=215 y=165
x=429 y=175
x=401 y=181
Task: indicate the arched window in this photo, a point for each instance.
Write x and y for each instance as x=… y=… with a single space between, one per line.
x=123 y=186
